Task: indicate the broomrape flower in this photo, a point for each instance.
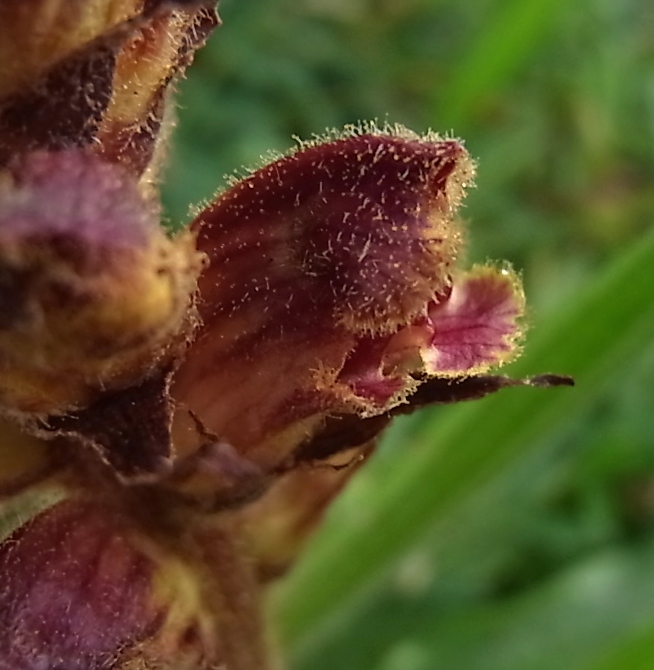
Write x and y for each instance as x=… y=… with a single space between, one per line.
x=178 y=411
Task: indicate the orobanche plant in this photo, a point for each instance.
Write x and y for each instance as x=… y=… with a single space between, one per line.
x=178 y=411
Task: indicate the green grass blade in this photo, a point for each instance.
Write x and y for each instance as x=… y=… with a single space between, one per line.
x=509 y=37
x=634 y=651
x=585 y=617
x=603 y=599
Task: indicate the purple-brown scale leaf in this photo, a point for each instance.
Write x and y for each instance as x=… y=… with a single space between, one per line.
x=73 y=592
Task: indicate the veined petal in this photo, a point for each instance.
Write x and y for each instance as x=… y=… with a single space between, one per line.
x=314 y=261
x=478 y=326
x=82 y=604
x=100 y=587
x=474 y=328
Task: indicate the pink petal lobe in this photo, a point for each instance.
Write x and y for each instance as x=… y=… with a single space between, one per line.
x=477 y=328
x=474 y=329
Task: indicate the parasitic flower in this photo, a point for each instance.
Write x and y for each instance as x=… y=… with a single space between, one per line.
x=179 y=410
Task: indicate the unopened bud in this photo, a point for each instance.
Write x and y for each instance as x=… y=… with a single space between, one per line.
x=92 y=292
x=95 y=74
x=86 y=586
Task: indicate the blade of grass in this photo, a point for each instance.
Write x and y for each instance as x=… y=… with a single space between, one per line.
x=508 y=38
x=576 y=619
x=634 y=652
x=594 y=340
x=602 y=599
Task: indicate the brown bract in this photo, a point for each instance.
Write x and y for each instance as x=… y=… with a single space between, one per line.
x=178 y=412
x=94 y=74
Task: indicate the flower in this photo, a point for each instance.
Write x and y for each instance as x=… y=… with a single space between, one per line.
x=178 y=411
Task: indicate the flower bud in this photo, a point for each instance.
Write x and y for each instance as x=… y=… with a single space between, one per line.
x=74 y=591
x=94 y=74
x=92 y=291
x=46 y=31
x=86 y=586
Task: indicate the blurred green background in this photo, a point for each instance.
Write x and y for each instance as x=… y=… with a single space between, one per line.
x=515 y=533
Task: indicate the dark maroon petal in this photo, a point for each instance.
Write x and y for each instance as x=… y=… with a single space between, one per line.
x=360 y=227
x=73 y=592
x=312 y=260
x=63 y=108
x=128 y=581
x=128 y=429
x=341 y=433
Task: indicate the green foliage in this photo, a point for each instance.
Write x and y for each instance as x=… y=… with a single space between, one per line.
x=517 y=532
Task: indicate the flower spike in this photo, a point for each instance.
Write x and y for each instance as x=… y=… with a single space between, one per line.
x=177 y=412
